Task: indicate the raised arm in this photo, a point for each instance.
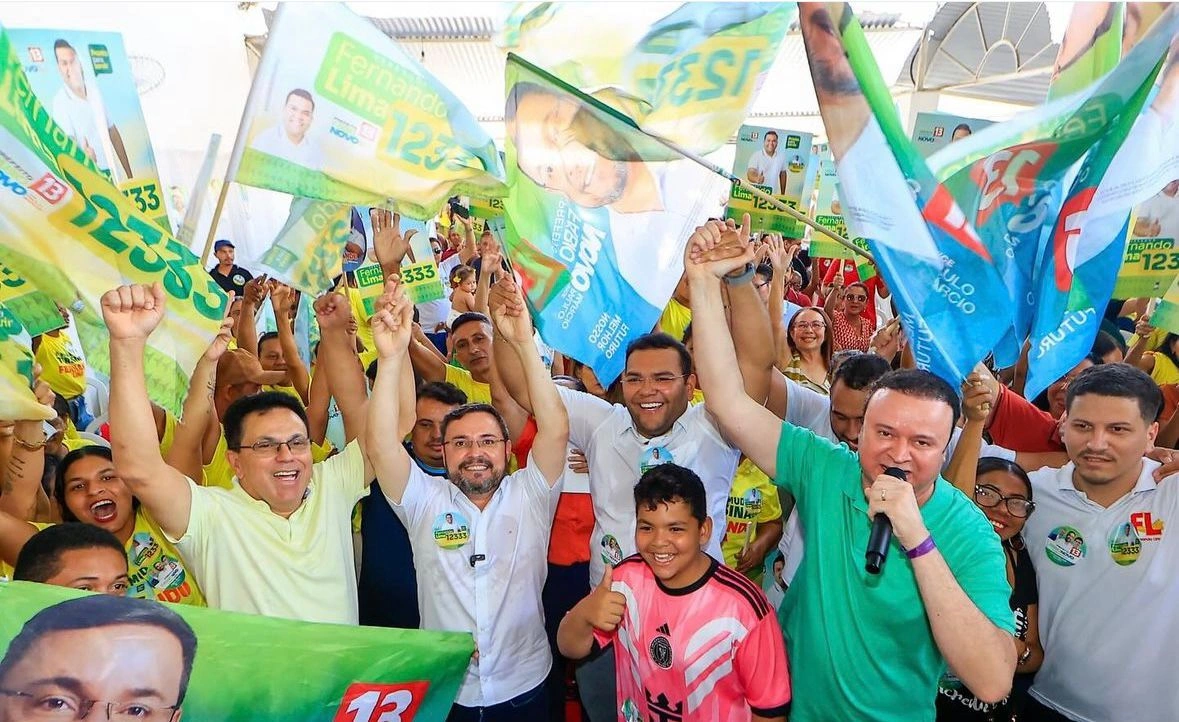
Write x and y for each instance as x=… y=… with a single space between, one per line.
x=467 y=251
x=490 y=266
x=552 y=421
x=284 y=300
x=317 y=409
x=507 y=363
x=781 y=256
x=976 y=406
x=187 y=454
x=744 y=421
x=391 y=324
x=253 y=295
x=337 y=358
x=131 y=314
x=22 y=474
x=391 y=247
x=750 y=322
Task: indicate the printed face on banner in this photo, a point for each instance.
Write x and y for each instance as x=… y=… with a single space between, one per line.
x=84 y=79
x=778 y=162
x=934 y=131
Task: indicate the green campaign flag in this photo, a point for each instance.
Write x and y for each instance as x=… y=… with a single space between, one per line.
x=24 y=306
x=308 y=252
x=339 y=112
x=689 y=74
x=63 y=648
x=68 y=231
x=597 y=217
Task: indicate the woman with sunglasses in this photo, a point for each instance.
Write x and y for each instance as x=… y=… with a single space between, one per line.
x=850 y=328
x=1003 y=492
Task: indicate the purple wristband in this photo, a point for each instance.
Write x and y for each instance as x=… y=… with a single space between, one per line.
x=921 y=549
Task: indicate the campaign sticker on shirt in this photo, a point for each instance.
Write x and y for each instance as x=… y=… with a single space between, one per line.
x=1124 y=544
x=451 y=530
x=747 y=506
x=1065 y=546
x=143 y=545
x=654 y=456
x=611 y=550
x=238 y=279
x=166 y=573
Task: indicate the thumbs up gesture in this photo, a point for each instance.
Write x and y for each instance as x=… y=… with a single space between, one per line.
x=605 y=606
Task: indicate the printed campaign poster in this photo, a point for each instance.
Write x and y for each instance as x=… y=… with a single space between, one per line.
x=829 y=214
x=934 y=131
x=776 y=161
x=145 y=660
x=84 y=80
x=1152 y=254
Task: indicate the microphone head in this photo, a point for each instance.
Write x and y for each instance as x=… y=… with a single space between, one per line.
x=896 y=473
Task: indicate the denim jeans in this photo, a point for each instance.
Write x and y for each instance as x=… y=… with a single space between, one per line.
x=532 y=706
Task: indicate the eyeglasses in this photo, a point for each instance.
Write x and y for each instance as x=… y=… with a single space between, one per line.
x=462 y=443
x=988 y=496
x=814 y=325
x=268 y=448
x=61 y=706
x=634 y=380
x=761 y=285
x=856 y=297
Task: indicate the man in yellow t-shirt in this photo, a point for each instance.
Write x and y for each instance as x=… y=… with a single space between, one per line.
x=470 y=337
x=754 y=523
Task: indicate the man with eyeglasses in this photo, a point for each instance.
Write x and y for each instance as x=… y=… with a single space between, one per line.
x=480 y=536
x=1105 y=557
x=278 y=541
x=98 y=658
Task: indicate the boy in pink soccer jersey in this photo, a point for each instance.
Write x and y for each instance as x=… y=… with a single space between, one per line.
x=694 y=641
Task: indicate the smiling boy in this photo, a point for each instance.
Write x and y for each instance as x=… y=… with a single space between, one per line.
x=688 y=632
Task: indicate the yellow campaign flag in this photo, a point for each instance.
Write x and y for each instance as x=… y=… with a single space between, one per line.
x=66 y=229
x=17 y=402
x=307 y=253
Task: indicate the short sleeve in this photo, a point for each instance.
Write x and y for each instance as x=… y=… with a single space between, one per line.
x=586 y=413
x=538 y=492
x=763 y=670
x=982 y=574
x=419 y=488
x=344 y=472
x=806 y=408
x=199 y=509
x=803 y=459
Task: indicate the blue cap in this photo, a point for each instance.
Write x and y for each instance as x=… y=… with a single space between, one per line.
x=222 y=244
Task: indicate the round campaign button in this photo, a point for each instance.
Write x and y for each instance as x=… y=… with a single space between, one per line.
x=611 y=550
x=451 y=530
x=1124 y=544
x=1065 y=546
x=654 y=456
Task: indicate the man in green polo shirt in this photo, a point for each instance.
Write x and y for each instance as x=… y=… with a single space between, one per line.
x=862 y=646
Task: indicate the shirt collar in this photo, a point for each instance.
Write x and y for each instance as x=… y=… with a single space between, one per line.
x=1146 y=482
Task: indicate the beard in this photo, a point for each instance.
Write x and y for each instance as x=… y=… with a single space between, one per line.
x=472 y=486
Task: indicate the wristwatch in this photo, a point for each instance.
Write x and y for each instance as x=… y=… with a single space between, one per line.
x=745 y=276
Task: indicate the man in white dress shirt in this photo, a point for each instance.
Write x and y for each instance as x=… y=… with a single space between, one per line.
x=289 y=139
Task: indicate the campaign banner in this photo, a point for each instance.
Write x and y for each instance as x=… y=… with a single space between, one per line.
x=154 y=661
x=949 y=295
x=687 y=72
x=84 y=79
x=68 y=231
x=829 y=214
x=596 y=225
x=934 y=131
x=339 y=112
x=1166 y=314
x=17 y=401
x=775 y=160
x=1017 y=182
x=26 y=307
x=308 y=252
x=1148 y=268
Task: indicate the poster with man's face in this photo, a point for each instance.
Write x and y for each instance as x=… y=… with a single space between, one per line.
x=934 y=131
x=84 y=80
x=775 y=160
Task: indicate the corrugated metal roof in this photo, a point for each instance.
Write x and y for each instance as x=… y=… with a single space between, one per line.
x=971 y=42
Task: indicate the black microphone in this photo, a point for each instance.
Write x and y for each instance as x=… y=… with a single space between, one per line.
x=878 y=540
